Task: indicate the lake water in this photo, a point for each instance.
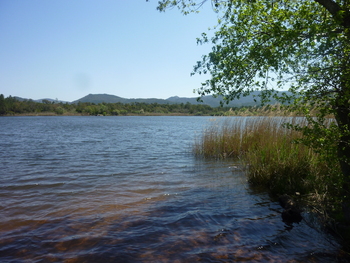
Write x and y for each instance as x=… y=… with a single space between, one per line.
x=128 y=189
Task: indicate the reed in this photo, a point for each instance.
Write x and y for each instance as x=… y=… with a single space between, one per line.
x=271 y=155
x=220 y=140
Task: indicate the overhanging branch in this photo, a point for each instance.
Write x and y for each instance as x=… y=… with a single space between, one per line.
x=333 y=8
x=330 y=5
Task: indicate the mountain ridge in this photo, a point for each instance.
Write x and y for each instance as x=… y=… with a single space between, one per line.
x=208 y=100
x=251 y=100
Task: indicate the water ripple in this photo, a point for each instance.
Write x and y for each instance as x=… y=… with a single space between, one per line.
x=127 y=189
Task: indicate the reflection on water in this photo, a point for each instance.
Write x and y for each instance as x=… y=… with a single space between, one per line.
x=127 y=189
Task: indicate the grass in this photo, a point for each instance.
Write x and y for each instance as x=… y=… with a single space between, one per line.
x=273 y=159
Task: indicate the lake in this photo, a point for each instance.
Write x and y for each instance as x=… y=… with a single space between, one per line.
x=129 y=189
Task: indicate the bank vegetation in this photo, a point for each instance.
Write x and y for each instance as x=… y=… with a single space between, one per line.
x=275 y=158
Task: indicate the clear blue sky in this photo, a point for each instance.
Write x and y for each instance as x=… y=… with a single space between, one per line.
x=67 y=49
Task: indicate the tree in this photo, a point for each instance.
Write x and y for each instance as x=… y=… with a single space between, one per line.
x=2 y=104
x=299 y=45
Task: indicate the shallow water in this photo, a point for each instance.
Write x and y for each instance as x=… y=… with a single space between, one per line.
x=128 y=189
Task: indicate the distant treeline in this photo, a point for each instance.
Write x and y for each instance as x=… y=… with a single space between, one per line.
x=13 y=106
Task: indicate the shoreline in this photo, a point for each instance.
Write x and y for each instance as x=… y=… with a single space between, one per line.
x=51 y=114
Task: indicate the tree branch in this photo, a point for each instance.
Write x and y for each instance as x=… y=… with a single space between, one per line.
x=330 y=5
x=334 y=9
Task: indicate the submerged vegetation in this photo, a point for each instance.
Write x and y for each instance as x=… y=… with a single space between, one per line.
x=275 y=159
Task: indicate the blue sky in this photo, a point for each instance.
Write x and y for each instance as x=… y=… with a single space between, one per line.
x=67 y=49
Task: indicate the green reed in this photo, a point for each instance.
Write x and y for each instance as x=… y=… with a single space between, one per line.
x=271 y=155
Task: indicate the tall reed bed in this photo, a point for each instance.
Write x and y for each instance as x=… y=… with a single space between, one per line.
x=269 y=151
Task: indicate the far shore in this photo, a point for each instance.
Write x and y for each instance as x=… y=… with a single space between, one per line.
x=79 y=114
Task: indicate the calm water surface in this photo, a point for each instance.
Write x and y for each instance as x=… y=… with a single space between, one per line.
x=128 y=189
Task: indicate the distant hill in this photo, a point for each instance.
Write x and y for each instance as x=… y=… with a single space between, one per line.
x=215 y=102
x=208 y=100
x=40 y=100
x=99 y=98
x=212 y=101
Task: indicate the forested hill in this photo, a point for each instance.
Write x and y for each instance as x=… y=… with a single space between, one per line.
x=208 y=100
x=100 y=98
x=108 y=105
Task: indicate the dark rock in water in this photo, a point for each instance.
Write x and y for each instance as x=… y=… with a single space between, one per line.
x=286 y=201
x=291 y=215
x=291 y=212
